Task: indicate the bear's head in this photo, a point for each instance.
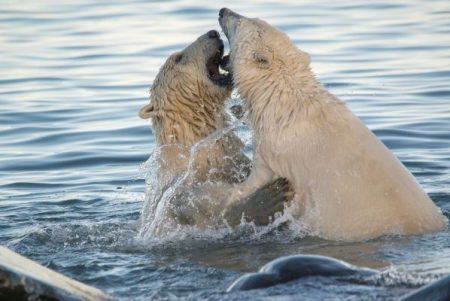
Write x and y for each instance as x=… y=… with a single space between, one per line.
x=259 y=51
x=187 y=98
x=190 y=79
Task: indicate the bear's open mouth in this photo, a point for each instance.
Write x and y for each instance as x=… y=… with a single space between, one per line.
x=214 y=73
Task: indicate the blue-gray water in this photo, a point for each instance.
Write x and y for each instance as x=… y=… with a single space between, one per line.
x=73 y=75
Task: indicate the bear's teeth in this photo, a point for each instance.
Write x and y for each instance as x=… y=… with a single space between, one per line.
x=223 y=71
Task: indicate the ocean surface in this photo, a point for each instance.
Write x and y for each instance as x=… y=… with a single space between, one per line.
x=73 y=75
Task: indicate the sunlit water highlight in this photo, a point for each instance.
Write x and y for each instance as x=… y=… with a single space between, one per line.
x=73 y=76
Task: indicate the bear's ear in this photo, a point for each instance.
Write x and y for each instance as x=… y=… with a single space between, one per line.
x=147 y=112
x=261 y=59
x=178 y=57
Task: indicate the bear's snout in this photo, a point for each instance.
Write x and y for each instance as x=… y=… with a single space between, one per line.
x=229 y=20
x=222 y=11
x=213 y=34
x=226 y=12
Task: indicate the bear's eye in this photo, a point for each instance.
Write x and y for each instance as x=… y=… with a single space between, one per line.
x=261 y=59
x=178 y=58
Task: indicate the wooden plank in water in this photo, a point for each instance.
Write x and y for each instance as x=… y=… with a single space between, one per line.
x=24 y=279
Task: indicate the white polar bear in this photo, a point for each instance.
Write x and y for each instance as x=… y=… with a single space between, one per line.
x=348 y=184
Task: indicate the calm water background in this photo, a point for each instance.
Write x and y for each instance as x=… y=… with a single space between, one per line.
x=73 y=75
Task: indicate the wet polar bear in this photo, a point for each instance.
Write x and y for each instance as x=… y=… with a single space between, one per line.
x=348 y=184
x=193 y=170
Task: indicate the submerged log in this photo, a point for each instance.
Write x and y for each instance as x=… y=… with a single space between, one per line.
x=24 y=279
x=289 y=268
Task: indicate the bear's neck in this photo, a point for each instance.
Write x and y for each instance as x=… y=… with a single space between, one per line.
x=282 y=99
x=187 y=122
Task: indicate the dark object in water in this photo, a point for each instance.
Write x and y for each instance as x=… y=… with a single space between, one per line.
x=289 y=268
x=22 y=279
x=438 y=290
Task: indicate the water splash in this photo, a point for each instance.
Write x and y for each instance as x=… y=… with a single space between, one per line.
x=178 y=206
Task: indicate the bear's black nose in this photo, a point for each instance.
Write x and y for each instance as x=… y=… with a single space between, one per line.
x=222 y=12
x=213 y=34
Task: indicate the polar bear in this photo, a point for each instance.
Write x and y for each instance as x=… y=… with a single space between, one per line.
x=348 y=185
x=188 y=105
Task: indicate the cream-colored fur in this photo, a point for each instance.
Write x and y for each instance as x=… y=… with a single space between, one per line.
x=349 y=185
